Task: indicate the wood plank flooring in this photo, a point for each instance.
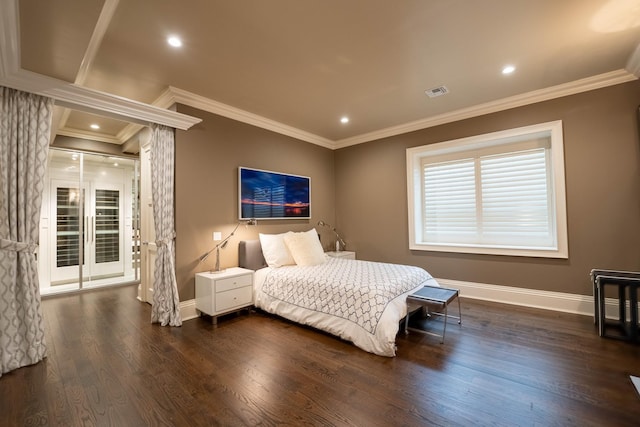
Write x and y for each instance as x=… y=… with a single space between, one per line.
x=505 y=366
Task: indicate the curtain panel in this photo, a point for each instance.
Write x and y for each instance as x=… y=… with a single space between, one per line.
x=166 y=304
x=25 y=123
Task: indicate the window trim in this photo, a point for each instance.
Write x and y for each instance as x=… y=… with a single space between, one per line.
x=414 y=194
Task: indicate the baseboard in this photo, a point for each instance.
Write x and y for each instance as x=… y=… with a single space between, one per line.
x=188 y=310
x=548 y=300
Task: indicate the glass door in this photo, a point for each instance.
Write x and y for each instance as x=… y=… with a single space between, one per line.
x=67 y=233
x=105 y=231
x=89 y=238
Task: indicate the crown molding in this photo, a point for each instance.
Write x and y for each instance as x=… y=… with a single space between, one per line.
x=571 y=88
x=173 y=95
x=71 y=95
x=164 y=101
x=215 y=107
x=76 y=133
x=92 y=101
x=167 y=99
x=127 y=132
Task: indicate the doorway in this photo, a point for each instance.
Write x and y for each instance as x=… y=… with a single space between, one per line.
x=90 y=222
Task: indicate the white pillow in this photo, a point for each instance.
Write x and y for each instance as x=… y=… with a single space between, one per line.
x=305 y=247
x=274 y=250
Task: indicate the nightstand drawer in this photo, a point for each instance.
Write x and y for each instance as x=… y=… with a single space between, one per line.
x=223 y=285
x=234 y=298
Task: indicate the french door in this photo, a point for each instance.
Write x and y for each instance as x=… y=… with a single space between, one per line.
x=89 y=222
x=88 y=228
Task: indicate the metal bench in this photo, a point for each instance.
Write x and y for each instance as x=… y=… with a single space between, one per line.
x=433 y=297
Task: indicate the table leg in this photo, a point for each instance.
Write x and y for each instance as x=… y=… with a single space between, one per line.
x=596 y=303
x=406 y=322
x=622 y=303
x=601 y=307
x=633 y=300
x=444 y=329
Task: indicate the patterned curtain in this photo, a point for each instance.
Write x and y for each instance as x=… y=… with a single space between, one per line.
x=25 y=123
x=166 y=304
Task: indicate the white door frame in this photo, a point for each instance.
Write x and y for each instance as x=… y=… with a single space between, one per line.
x=148 y=248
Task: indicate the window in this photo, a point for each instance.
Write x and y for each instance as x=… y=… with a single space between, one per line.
x=501 y=193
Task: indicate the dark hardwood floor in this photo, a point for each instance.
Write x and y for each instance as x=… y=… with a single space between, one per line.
x=506 y=366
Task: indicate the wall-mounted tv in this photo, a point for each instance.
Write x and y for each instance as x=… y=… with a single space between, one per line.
x=272 y=195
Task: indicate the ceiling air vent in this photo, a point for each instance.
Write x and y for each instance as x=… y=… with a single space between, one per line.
x=436 y=91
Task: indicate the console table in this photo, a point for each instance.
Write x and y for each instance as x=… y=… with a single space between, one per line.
x=435 y=297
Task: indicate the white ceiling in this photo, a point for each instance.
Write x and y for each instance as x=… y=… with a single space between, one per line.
x=297 y=66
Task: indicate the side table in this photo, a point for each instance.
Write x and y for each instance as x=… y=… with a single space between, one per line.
x=627 y=284
x=223 y=292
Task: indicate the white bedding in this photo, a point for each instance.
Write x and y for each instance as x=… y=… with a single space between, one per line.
x=359 y=301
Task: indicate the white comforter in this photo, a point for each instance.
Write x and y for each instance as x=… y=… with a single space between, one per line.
x=360 y=301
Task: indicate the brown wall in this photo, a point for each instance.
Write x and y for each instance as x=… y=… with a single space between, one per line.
x=362 y=190
x=207 y=161
x=602 y=158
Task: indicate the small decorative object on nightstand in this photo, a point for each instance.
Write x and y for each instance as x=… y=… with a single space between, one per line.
x=221 y=293
x=342 y=254
x=340 y=244
x=223 y=244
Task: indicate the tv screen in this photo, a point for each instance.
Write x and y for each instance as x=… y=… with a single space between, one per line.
x=273 y=195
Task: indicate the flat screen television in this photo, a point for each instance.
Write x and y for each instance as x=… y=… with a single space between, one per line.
x=273 y=195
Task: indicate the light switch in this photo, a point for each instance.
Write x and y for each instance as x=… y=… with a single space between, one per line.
x=217 y=235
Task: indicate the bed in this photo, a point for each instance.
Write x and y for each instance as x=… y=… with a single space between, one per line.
x=359 y=301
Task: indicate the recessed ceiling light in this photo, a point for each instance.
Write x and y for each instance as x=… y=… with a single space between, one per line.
x=344 y=120
x=95 y=126
x=508 y=69
x=174 y=41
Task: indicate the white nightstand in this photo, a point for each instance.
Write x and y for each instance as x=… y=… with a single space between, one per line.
x=342 y=254
x=224 y=292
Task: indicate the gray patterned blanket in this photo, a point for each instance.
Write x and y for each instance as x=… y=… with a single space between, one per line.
x=357 y=291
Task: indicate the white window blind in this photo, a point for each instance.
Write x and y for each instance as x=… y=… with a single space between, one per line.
x=516 y=197
x=450 y=202
x=494 y=195
x=493 y=200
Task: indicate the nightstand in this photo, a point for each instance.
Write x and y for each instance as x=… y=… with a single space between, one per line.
x=224 y=292
x=342 y=254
